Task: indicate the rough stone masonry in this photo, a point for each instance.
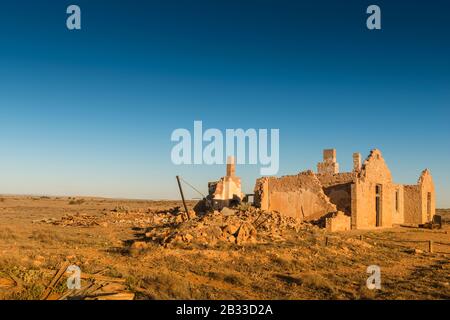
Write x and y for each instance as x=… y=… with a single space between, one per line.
x=365 y=198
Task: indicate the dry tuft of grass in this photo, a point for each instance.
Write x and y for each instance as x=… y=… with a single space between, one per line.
x=7 y=234
x=77 y=201
x=45 y=237
x=317 y=282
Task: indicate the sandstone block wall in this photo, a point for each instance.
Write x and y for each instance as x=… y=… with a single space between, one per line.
x=338 y=188
x=227 y=188
x=413 y=206
x=374 y=175
x=227 y=191
x=428 y=205
x=339 y=222
x=420 y=200
x=367 y=196
x=300 y=196
x=398 y=214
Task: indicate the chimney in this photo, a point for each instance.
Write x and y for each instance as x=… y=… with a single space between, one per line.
x=231 y=167
x=329 y=164
x=356 y=162
x=329 y=155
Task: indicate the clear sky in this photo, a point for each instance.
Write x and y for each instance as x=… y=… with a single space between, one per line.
x=91 y=112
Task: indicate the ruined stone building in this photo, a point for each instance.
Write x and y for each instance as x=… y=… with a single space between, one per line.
x=227 y=191
x=366 y=197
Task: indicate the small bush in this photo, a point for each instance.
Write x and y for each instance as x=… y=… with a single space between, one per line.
x=317 y=282
x=231 y=278
x=7 y=234
x=123 y=209
x=168 y=286
x=45 y=237
x=77 y=201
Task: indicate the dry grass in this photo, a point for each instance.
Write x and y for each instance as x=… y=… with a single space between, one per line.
x=77 y=201
x=445 y=214
x=299 y=268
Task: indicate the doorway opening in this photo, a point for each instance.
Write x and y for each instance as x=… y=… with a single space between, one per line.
x=378 y=204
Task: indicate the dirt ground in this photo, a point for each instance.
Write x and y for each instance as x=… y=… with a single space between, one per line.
x=39 y=234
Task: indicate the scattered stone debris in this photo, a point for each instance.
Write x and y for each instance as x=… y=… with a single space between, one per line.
x=137 y=218
x=76 y=220
x=228 y=226
x=228 y=212
x=124 y=209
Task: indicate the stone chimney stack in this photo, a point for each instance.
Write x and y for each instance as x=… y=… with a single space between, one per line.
x=329 y=155
x=231 y=167
x=357 y=162
x=329 y=164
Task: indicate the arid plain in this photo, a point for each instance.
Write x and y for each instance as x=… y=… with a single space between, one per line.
x=130 y=249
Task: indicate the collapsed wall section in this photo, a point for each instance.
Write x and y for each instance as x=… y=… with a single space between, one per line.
x=300 y=196
x=227 y=188
x=338 y=187
x=338 y=222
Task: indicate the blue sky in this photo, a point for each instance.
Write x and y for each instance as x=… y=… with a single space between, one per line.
x=91 y=112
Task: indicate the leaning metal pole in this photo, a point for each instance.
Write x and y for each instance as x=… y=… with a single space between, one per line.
x=182 y=197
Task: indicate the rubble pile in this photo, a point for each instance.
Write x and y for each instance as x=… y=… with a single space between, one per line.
x=76 y=220
x=227 y=226
x=137 y=218
x=242 y=225
x=134 y=218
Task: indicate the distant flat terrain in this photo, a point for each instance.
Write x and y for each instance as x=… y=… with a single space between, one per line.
x=445 y=214
x=39 y=234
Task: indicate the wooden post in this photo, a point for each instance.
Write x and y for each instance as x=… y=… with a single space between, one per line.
x=326 y=241
x=430 y=246
x=182 y=197
x=361 y=237
x=55 y=280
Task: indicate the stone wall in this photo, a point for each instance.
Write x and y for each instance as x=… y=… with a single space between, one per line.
x=420 y=200
x=413 y=211
x=328 y=180
x=374 y=175
x=225 y=192
x=338 y=188
x=300 y=196
x=367 y=196
x=226 y=188
x=428 y=206
x=398 y=216
x=338 y=222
